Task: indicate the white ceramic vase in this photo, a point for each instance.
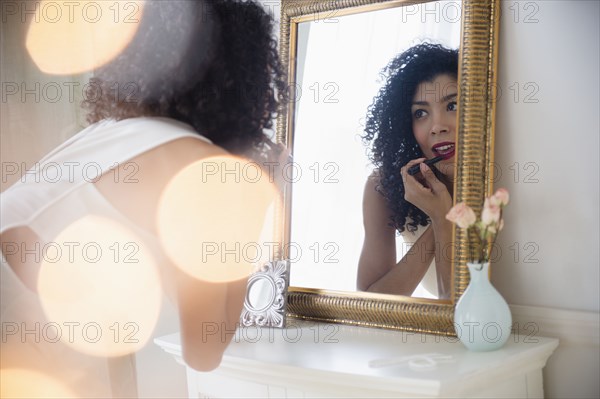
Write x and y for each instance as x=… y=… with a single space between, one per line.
x=482 y=317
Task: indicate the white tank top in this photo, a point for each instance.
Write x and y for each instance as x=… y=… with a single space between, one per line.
x=57 y=191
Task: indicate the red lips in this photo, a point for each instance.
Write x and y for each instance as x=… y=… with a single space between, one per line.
x=444 y=149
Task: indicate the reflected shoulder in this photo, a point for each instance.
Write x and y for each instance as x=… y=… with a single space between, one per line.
x=373 y=181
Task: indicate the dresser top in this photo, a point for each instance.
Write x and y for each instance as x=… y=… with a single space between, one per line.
x=420 y=363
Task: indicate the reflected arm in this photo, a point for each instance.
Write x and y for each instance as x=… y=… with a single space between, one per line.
x=378 y=270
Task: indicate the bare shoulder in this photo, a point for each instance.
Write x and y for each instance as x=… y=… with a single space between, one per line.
x=374 y=177
x=152 y=171
x=189 y=148
x=376 y=212
x=371 y=193
x=163 y=162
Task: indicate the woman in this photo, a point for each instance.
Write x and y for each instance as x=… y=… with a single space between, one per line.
x=200 y=81
x=413 y=118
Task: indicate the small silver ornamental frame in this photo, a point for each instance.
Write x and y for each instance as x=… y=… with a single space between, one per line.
x=266 y=295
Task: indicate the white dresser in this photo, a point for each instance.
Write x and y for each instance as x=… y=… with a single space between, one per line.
x=316 y=360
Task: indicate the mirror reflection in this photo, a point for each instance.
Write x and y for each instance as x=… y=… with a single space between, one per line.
x=260 y=295
x=413 y=118
x=341 y=168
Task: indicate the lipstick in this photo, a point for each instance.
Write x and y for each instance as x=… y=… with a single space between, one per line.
x=413 y=170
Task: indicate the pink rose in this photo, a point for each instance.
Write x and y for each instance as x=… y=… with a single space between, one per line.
x=491 y=213
x=462 y=215
x=500 y=197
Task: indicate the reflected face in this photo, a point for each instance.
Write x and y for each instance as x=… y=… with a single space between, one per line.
x=434 y=120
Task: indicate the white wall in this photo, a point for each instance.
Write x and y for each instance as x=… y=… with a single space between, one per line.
x=554 y=221
x=558 y=136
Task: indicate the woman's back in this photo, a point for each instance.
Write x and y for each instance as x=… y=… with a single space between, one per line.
x=111 y=174
x=218 y=72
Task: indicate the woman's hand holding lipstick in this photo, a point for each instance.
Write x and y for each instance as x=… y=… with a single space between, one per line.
x=413 y=170
x=427 y=193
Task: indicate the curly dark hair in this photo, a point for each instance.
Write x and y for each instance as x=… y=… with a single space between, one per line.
x=211 y=64
x=388 y=127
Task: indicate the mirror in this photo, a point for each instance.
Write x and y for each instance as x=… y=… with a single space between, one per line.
x=266 y=292
x=335 y=84
x=334 y=52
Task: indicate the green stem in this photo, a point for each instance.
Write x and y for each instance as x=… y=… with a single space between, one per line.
x=483 y=242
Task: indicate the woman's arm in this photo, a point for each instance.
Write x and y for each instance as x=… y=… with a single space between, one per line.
x=228 y=212
x=429 y=194
x=377 y=267
x=378 y=270
x=209 y=314
x=229 y=217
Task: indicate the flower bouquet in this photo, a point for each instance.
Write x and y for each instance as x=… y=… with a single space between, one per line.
x=488 y=226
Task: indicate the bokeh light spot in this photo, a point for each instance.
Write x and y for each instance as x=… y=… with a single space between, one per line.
x=211 y=216
x=68 y=37
x=21 y=383
x=103 y=291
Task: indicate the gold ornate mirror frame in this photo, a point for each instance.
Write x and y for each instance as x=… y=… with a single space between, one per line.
x=477 y=94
